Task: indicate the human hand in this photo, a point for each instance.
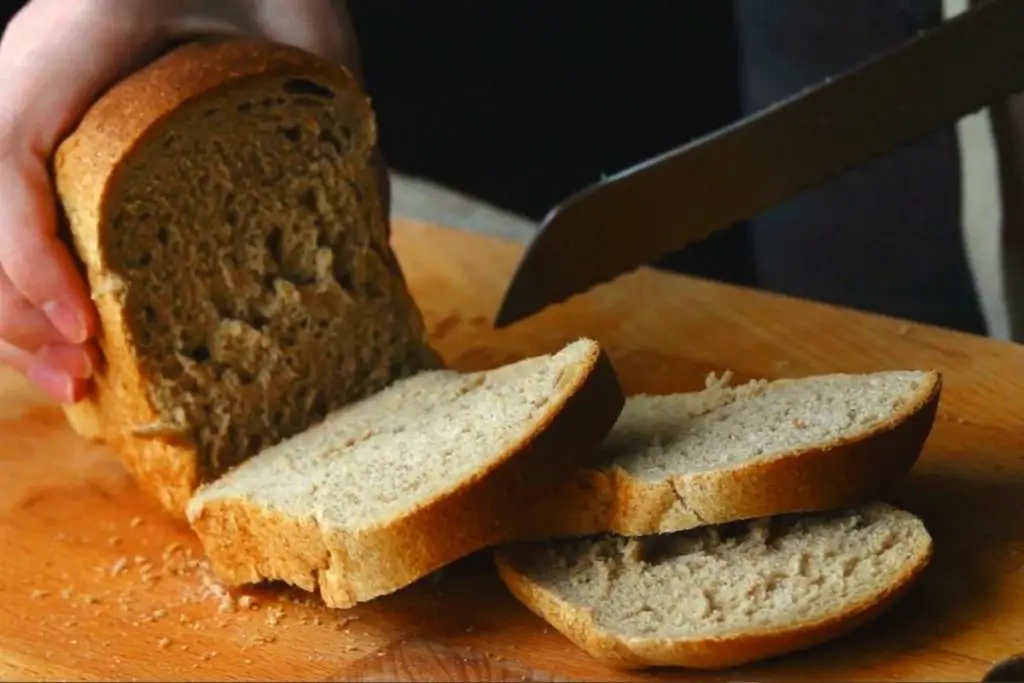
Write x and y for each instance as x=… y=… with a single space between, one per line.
x=56 y=57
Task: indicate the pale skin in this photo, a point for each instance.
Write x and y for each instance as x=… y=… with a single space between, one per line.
x=56 y=58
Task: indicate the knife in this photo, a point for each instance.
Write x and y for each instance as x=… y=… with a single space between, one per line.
x=682 y=196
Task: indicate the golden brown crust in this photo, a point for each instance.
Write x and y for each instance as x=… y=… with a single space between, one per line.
x=578 y=625
x=847 y=472
x=246 y=543
x=87 y=165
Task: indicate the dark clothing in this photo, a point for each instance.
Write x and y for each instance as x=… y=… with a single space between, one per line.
x=886 y=236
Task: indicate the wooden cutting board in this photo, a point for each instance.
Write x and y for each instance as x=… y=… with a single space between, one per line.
x=95 y=583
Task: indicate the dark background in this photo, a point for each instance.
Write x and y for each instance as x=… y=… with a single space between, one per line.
x=522 y=103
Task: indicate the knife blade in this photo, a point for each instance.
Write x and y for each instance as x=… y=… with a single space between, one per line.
x=684 y=195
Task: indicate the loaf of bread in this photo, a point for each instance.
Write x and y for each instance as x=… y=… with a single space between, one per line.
x=226 y=212
x=720 y=596
x=680 y=461
x=390 y=488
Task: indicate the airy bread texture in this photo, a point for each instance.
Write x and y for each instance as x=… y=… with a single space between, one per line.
x=225 y=208
x=681 y=461
x=721 y=596
x=386 y=490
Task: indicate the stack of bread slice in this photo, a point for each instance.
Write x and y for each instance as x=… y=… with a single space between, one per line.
x=268 y=376
x=711 y=529
x=728 y=525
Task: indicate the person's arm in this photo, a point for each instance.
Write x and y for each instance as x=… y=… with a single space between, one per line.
x=56 y=57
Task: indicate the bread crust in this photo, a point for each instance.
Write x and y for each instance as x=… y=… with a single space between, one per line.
x=847 y=472
x=247 y=543
x=87 y=168
x=718 y=652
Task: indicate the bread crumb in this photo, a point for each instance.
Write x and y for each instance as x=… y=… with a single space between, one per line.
x=136 y=521
x=712 y=381
x=274 y=616
x=119 y=566
x=799 y=423
x=90 y=599
x=262 y=640
x=39 y=594
x=247 y=602
x=65 y=593
x=163 y=642
x=114 y=540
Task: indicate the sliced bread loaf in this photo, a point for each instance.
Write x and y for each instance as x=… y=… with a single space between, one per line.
x=720 y=596
x=727 y=453
x=225 y=207
x=388 y=489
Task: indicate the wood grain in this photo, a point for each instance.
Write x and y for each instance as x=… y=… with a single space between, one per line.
x=97 y=584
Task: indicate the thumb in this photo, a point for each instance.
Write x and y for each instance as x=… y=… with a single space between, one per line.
x=324 y=28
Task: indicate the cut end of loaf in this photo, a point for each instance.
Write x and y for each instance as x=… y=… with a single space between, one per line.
x=240 y=258
x=392 y=487
x=722 y=595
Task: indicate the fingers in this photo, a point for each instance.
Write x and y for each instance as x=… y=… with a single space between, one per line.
x=36 y=264
x=55 y=57
x=21 y=323
x=78 y=362
x=318 y=26
x=62 y=386
x=47 y=372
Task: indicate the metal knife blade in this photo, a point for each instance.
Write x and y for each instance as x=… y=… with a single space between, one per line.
x=684 y=195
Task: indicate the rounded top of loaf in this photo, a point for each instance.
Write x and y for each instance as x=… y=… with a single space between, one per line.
x=122 y=116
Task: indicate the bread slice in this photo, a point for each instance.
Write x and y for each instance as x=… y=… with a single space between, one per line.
x=721 y=596
x=391 y=488
x=226 y=211
x=681 y=461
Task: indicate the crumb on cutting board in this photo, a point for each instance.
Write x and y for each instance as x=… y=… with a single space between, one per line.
x=191 y=600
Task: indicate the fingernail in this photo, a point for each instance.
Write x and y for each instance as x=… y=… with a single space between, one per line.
x=76 y=361
x=67 y=321
x=59 y=385
x=88 y=367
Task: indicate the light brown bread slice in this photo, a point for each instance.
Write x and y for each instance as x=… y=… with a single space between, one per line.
x=225 y=208
x=391 y=488
x=720 y=596
x=680 y=461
